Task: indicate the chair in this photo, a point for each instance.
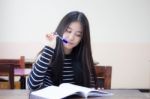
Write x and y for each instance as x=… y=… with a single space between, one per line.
x=7 y=70
x=103 y=74
x=18 y=63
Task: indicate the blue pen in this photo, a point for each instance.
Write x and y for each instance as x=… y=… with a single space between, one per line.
x=64 y=40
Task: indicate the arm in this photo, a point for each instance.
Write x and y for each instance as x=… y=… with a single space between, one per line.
x=37 y=75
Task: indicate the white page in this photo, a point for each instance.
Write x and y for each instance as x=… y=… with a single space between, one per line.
x=54 y=92
x=86 y=91
x=83 y=90
x=47 y=92
x=66 y=89
x=100 y=93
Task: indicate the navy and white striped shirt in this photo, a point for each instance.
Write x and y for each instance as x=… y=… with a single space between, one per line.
x=41 y=75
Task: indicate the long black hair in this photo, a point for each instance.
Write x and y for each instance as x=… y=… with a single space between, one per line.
x=83 y=65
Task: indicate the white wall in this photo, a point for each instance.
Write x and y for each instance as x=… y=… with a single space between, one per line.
x=120 y=33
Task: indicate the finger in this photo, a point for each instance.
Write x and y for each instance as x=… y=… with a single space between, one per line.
x=50 y=36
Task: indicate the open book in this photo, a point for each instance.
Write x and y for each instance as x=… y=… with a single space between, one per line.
x=67 y=89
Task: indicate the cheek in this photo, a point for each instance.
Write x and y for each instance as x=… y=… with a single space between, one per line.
x=65 y=35
x=78 y=40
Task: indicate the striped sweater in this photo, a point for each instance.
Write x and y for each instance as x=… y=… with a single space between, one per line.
x=40 y=75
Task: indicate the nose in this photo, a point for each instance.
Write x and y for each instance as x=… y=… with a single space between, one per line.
x=71 y=36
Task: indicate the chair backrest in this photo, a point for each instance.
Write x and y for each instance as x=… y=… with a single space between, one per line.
x=8 y=70
x=18 y=63
x=103 y=74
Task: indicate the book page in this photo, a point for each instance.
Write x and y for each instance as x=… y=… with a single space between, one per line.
x=85 y=91
x=98 y=93
x=82 y=91
x=47 y=92
x=66 y=89
x=54 y=92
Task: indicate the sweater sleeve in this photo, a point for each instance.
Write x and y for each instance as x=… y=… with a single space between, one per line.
x=38 y=73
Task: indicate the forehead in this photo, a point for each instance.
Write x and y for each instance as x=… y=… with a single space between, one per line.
x=75 y=26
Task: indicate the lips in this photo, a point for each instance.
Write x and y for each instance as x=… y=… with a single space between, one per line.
x=70 y=43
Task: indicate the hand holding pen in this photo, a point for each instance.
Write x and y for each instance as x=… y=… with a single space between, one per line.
x=52 y=39
x=63 y=39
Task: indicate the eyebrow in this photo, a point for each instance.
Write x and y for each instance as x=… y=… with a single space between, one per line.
x=71 y=29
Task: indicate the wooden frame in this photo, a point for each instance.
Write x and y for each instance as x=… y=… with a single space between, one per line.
x=103 y=73
x=6 y=69
x=17 y=63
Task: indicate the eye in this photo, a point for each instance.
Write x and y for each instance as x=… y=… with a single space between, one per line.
x=78 y=34
x=68 y=30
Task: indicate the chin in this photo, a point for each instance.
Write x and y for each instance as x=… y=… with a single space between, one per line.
x=69 y=47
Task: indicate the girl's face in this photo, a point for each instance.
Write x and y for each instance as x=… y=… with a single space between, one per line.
x=73 y=35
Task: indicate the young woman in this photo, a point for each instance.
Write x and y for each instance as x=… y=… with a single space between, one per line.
x=66 y=62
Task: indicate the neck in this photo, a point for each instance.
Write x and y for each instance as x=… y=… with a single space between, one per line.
x=66 y=51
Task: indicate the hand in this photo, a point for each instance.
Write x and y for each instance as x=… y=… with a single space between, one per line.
x=51 y=40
